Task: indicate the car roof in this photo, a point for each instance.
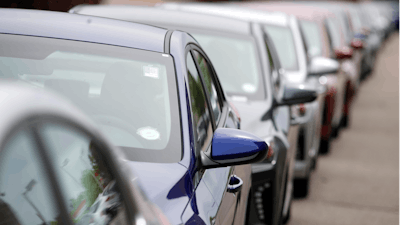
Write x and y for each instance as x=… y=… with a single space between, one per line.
x=171 y=17
x=82 y=28
x=232 y=11
x=301 y=11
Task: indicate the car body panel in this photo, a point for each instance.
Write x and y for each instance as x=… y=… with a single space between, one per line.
x=86 y=28
x=182 y=20
x=175 y=185
x=311 y=122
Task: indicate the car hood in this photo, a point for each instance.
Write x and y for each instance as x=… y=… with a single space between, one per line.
x=168 y=185
x=251 y=114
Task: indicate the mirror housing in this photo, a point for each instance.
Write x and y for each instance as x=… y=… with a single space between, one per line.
x=294 y=95
x=344 y=53
x=357 y=43
x=321 y=65
x=231 y=147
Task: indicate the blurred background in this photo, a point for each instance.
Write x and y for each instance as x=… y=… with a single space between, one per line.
x=65 y=5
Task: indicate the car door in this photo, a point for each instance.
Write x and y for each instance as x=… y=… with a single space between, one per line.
x=282 y=118
x=341 y=76
x=207 y=104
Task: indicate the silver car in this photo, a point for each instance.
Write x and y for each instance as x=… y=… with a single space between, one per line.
x=56 y=168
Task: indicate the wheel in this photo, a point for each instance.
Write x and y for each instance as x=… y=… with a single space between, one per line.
x=345 y=121
x=324 y=147
x=335 y=131
x=314 y=163
x=301 y=187
x=286 y=218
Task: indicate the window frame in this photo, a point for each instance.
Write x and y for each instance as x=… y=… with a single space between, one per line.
x=214 y=80
x=271 y=53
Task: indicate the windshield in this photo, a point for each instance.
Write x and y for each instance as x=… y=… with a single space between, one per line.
x=284 y=44
x=235 y=62
x=129 y=93
x=333 y=32
x=312 y=35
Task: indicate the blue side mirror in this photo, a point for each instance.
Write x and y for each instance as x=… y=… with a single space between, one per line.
x=234 y=147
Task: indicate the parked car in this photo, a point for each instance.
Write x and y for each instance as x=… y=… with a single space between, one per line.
x=54 y=162
x=154 y=93
x=365 y=30
x=292 y=51
x=249 y=70
x=322 y=41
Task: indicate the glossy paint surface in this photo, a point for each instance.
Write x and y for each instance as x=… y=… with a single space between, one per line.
x=231 y=144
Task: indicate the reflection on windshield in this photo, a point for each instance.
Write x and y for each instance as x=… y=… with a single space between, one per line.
x=91 y=191
x=284 y=44
x=235 y=63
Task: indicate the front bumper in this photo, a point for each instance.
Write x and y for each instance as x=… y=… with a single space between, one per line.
x=266 y=188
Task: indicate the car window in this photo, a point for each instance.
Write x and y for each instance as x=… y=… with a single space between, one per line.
x=282 y=37
x=25 y=194
x=85 y=180
x=130 y=93
x=313 y=37
x=275 y=79
x=235 y=62
x=201 y=116
x=333 y=35
x=209 y=85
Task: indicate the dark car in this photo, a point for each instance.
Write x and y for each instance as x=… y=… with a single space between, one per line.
x=250 y=73
x=56 y=167
x=154 y=93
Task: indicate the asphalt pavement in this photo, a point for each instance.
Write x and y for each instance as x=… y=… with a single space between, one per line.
x=358 y=181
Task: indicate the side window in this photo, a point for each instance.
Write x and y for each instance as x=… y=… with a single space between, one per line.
x=25 y=194
x=205 y=69
x=273 y=70
x=333 y=35
x=201 y=117
x=86 y=183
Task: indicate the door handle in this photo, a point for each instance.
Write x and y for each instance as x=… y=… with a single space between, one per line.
x=235 y=184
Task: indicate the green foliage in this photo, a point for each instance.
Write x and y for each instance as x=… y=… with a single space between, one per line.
x=92 y=189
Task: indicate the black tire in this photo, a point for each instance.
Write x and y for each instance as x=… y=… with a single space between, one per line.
x=324 y=147
x=335 y=131
x=345 y=121
x=314 y=163
x=286 y=219
x=301 y=187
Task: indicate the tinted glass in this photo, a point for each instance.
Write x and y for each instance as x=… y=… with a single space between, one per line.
x=209 y=85
x=131 y=94
x=313 y=37
x=201 y=116
x=87 y=185
x=285 y=47
x=235 y=62
x=25 y=194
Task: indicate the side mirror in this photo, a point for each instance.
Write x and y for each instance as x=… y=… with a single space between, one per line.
x=321 y=65
x=231 y=147
x=344 y=53
x=357 y=43
x=294 y=95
